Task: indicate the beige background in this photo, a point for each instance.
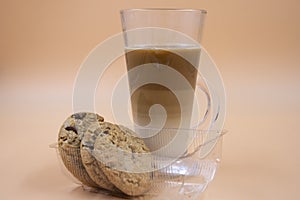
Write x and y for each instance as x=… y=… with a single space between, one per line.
x=254 y=43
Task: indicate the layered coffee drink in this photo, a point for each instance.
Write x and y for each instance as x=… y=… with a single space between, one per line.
x=181 y=58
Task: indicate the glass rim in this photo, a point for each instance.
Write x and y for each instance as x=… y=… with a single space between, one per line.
x=201 y=11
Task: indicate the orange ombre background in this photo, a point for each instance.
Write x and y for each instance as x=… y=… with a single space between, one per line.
x=256 y=45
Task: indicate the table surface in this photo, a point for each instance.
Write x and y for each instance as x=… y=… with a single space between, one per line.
x=260 y=154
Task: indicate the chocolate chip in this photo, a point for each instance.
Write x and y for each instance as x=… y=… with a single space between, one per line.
x=63 y=138
x=94 y=137
x=105 y=132
x=79 y=115
x=70 y=128
x=100 y=119
x=88 y=145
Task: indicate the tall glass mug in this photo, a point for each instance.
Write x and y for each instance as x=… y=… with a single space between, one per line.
x=162 y=53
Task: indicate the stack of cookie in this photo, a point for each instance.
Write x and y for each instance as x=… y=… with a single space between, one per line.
x=84 y=135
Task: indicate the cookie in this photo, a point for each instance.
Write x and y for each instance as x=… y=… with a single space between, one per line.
x=90 y=163
x=69 y=139
x=115 y=149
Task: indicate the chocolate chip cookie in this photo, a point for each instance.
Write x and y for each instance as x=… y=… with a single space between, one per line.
x=89 y=161
x=115 y=152
x=69 y=139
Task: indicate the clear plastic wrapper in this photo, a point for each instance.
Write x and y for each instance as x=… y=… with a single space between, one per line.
x=176 y=178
